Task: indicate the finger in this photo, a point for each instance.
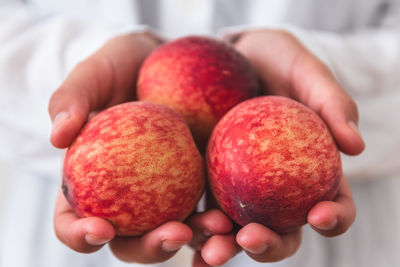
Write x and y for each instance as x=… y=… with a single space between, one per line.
x=264 y=245
x=198 y=260
x=332 y=218
x=207 y=224
x=315 y=85
x=155 y=246
x=106 y=78
x=68 y=111
x=219 y=249
x=83 y=235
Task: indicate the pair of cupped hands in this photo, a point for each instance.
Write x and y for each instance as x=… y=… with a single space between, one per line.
x=285 y=67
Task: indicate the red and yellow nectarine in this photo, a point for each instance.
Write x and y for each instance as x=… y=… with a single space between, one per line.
x=200 y=77
x=270 y=160
x=136 y=165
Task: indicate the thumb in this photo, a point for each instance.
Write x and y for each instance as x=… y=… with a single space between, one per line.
x=82 y=92
x=341 y=115
x=68 y=112
x=104 y=79
x=319 y=90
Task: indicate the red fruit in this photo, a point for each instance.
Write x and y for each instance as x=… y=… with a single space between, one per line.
x=270 y=160
x=136 y=165
x=201 y=78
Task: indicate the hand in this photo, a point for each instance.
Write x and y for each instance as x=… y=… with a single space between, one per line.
x=216 y=240
x=87 y=235
x=286 y=68
x=106 y=78
x=213 y=235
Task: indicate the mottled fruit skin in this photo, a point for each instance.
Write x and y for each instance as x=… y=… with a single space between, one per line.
x=270 y=160
x=136 y=165
x=201 y=78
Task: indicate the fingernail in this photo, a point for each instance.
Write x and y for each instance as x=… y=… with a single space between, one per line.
x=172 y=246
x=94 y=240
x=59 y=118
x=328 y=226
x=258 y=249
